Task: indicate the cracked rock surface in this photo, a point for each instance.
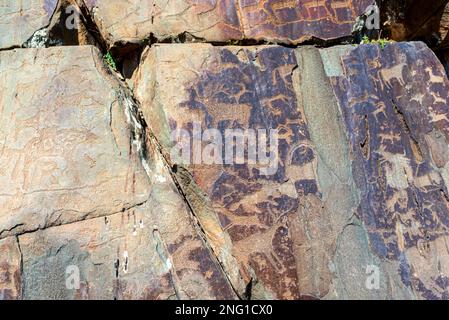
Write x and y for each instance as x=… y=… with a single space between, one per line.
x=349 y=199
x=21 y=19
x=75 y=190
x=64 y=138
x=258 y=217
x=41 y=23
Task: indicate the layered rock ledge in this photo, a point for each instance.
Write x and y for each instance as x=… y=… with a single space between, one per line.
x=314 y=168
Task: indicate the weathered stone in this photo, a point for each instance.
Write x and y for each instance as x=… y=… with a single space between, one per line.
x=206 y=85
x=41 y=23
x=334 y=209
x=282 y=228
x=337 y=250
x=132 y=22
x=416 y=20
x=294 y=22
x=123 y=256
x=196 y=272
x=75 y=164
x=223 y=20
x=348 y=199
x=10 y=269
x=114 y=257
x=394 y=103
x=67 y=27
x=19 y=20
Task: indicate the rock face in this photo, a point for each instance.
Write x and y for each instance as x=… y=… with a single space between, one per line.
x=63 y=141
x=41 y=23
x=294 y=22
x=412 y=20
x=73 y=168
x=10 y=273
x=288 y=22
x=133 y=21
x=398 y=134
x=261 y=211
x=426 y=21
x=21 y=19
x=256 y=207
x=390 y=210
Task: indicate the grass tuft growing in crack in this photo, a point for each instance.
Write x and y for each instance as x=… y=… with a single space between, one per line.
x=110 y=61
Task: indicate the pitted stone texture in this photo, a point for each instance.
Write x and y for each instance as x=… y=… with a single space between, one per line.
x=66 y=152
x=295 y=21
x=394 y=103
x=417 y=20
x=19 y=20
x=109 y=258
x=289 y=22
x=10 y=270
x=195 y=270
x=261 y=219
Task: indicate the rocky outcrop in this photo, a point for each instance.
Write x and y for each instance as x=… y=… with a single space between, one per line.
x=397 y=131
x=289 y=22
x=294 y=22
x=63 y=141
x=76 y=190
x=249 y=210
x=416 y=20
x=10 y=269
x=39 y=24
x=21 y=20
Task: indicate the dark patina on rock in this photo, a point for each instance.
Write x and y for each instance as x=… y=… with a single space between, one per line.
x=294 y=21
x=395 y=107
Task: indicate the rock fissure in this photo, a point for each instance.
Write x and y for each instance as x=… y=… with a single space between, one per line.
x=89 y=185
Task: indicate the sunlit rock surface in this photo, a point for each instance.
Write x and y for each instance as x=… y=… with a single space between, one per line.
x=79 y=191
x=289 y=22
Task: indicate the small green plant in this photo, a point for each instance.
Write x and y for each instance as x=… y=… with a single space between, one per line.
x=233 y=42
x=110 y=61
x=382 y=42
